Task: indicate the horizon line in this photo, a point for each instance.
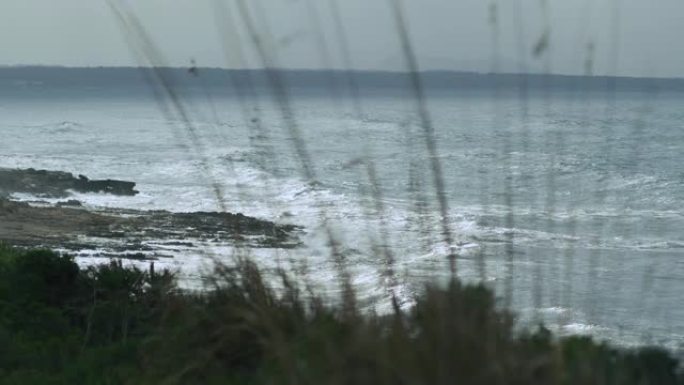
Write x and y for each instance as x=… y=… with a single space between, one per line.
x=338 y=70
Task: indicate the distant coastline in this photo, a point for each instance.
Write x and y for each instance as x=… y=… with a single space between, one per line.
x=299 y=78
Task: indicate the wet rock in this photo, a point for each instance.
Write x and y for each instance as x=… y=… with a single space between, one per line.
x=133 y=231
x=57 y=184
x=70 y=203
x=108 y=186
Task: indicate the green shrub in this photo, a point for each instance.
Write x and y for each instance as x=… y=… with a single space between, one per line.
x=60 y=324
x=244 y=332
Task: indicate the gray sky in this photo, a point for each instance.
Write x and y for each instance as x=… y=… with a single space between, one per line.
x=630 y=37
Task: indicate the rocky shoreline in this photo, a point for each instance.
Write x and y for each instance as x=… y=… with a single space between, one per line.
x=121 y=233
x=57 y=184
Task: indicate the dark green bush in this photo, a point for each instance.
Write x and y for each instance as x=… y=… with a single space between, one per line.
x=245 y=333
x=60 y=324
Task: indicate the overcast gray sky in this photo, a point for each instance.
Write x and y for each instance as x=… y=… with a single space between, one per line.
x=629 y=37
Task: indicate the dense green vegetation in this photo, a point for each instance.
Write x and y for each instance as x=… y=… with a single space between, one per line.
x=61 y=324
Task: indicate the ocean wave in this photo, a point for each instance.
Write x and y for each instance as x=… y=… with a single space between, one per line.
x=58 y=127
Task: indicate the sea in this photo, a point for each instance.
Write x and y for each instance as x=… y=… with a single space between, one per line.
x=564 y=196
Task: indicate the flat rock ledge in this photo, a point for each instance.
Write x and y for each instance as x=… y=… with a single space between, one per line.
x=134 y=232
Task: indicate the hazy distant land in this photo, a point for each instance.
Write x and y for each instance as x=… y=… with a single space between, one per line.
x=32 y=76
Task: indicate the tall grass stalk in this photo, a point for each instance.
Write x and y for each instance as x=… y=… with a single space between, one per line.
x=416 y=86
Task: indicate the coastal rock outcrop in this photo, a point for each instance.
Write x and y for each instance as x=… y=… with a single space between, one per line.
x=57 y=184
x=69 y=225
x=131 y=231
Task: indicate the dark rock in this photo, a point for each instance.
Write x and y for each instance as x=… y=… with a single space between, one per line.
x=130 y=231
x=109 y=186
x=70 y=203
x=56 y=184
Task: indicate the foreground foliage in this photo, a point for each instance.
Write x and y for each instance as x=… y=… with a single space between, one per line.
x=60 y=324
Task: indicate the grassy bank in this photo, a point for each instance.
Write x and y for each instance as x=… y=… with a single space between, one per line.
x=61 y=324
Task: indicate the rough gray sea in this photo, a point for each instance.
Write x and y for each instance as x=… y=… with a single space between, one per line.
x=569 y=203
